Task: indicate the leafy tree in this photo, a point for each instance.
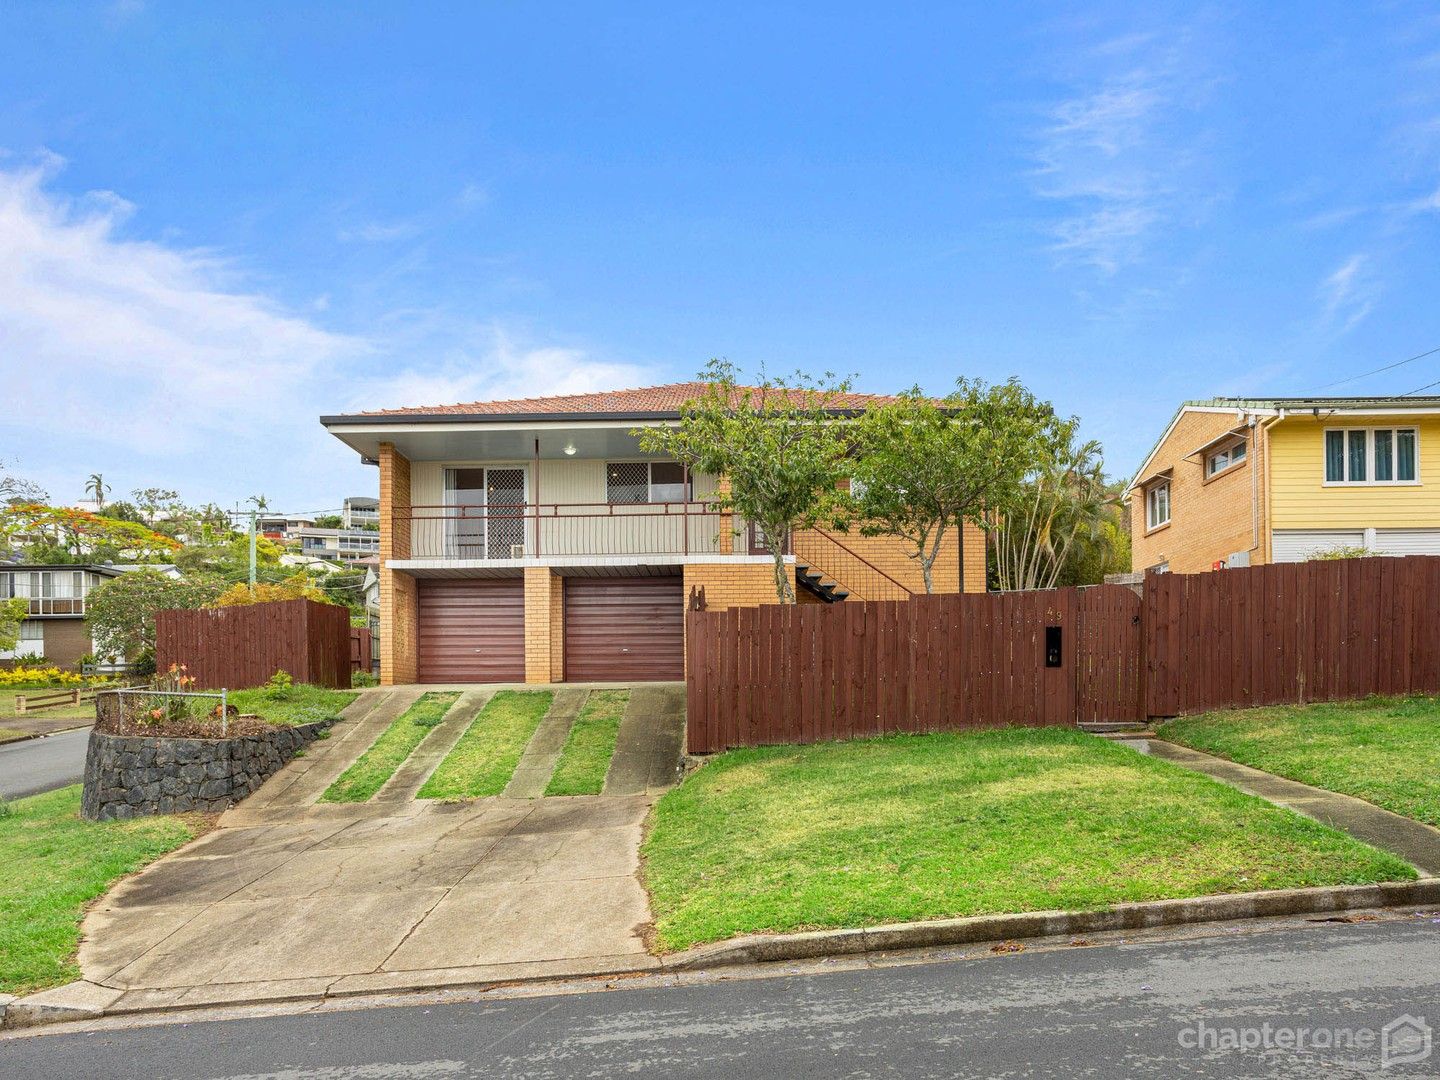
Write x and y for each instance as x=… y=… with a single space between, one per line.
x=12 y=614
x=81 y=535
x=97 y=488
x=925 y=467
x=347 y=588
x=298 y=587
x=1105 y=551
x=778 y=443
x=1064 y=504
x=122 y=510
x=121 y=611
x=16 y=489
x=152 y=500
x=328 y=521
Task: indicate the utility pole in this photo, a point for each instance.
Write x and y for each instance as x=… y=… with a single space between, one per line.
x=257 y=503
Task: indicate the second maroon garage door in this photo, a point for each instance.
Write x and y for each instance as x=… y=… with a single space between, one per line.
x=624 y=629
x=472 y=631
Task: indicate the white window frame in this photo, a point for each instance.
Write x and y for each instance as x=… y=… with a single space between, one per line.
x=1347 y=482
x=1213 y=470
x=1152 y=519
x=30 y=643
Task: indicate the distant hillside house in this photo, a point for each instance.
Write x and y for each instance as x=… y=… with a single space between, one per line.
x=55 y=627
x=1242 y=481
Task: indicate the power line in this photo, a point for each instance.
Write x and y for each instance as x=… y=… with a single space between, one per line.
x=1387 y=367
x=1427 y=386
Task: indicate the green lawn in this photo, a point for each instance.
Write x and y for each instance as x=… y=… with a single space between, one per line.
x=300 y=704
x=370 y=771
x=927 y=826
x=10 y=735
x=486 y=755
x=590 y=745
x=1383 y=750
x=51 y=865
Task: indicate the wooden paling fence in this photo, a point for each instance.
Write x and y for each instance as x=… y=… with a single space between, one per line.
x=360 y=648
x=1292 y=633
x=236 y=647
x=1231 y=638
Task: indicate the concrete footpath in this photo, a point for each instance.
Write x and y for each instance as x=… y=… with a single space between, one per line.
x=1415 y=842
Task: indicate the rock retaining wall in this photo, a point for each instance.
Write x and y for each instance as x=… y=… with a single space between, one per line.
x=130 y=776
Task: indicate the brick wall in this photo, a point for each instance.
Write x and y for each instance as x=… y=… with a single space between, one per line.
x=399 y=600
x=1210 y=520
x=891 y=554
x=730 y=585
x=544 y=625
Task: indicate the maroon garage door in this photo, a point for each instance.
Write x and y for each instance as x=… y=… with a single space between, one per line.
x=624 y=629
x=472 y=631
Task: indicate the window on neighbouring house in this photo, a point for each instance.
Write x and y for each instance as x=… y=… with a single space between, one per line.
x=31 y=643
x=1370 y=456
x=646 y=481
x=1223 y=459
x=1157 y=505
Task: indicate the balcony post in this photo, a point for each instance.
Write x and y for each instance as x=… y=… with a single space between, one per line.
x=685 y=506
x=535 y=492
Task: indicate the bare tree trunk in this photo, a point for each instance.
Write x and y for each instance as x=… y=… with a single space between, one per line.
x=784 y=590
x=927 y=561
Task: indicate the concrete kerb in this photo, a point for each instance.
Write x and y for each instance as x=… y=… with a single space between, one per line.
x=82 y=1001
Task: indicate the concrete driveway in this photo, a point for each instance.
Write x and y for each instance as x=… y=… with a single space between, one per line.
x=288 y=898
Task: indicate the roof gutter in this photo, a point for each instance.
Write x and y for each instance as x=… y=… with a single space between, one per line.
x=371 y=420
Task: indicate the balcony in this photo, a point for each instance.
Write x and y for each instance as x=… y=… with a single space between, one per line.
x=550 y=531
x=55 y=605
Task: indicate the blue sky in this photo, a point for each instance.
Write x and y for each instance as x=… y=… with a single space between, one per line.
x=218 y=222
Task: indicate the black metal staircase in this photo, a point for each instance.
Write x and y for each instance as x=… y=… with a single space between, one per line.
x=816 y=583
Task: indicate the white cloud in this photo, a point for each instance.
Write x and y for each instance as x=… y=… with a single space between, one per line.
x=1349 y=293
x=157 y=365
x=158 y=341
x=379 y=232
x=494 y=365
x=1111 y=154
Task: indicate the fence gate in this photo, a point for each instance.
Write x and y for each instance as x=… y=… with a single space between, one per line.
x=1109 y=657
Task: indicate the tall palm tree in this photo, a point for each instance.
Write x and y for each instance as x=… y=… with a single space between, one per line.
x=97 y=487
x=1063 y=502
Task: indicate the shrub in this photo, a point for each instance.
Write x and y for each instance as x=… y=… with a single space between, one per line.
x=280 y=686
x=363 y=678
x=1340 y=553
x=297 y=587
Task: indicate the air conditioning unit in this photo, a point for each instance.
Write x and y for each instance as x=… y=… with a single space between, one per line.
x=517 y=551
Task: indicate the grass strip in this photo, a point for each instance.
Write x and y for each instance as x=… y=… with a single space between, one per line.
x=377 y=764
x=1383 y=750
x=590 y=745
x=484 y=759
x=913 y=827
x=52 y=864
x=299 y=704
x=11 y=735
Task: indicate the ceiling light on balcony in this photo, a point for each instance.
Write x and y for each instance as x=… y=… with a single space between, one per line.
x=570 y=449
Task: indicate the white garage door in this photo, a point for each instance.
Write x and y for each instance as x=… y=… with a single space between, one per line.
x=1407 y=541
x=1297 y=545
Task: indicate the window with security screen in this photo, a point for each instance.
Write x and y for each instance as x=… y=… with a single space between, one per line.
x=627 y=482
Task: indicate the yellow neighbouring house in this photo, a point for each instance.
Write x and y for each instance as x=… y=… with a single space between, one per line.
x=1244 y=481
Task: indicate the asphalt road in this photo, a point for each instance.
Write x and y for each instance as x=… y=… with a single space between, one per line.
x=1121 y=1011
x=36 y=765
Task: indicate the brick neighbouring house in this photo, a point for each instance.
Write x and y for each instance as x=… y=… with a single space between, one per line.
x=531 y=540
x=1243 y=481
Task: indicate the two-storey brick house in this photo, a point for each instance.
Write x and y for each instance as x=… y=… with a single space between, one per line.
x=1243 y=481
x=532 y=540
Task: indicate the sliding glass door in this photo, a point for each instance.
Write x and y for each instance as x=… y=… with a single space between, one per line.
x=486 y=515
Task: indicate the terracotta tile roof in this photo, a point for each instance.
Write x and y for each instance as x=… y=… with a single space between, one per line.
x=640 y=401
